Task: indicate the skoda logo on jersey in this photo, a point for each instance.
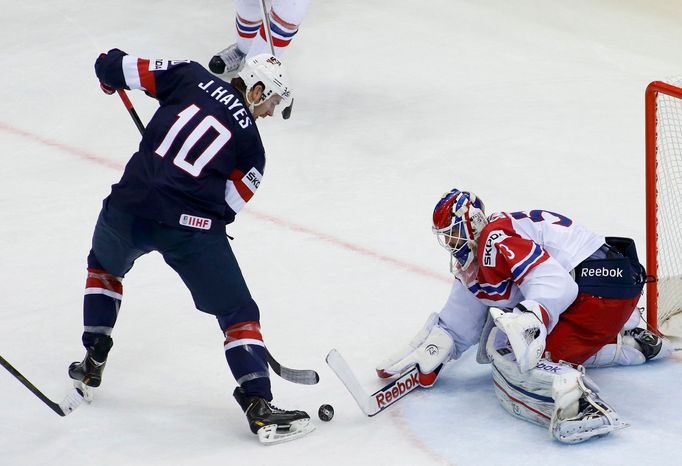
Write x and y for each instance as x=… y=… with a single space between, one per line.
x=252 y=179
x=158 y=65
x=489 y=251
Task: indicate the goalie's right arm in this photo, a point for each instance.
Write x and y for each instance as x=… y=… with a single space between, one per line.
x=444 y=337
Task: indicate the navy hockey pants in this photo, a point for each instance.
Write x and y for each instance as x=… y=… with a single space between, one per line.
x=205 y=263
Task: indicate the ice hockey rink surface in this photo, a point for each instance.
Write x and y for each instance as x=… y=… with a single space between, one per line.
x=530 y=104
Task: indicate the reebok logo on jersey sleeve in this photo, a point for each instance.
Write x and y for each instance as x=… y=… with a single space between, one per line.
x=490 y=251
x=252 y=179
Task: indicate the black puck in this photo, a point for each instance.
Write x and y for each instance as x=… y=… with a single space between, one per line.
x=326 y=413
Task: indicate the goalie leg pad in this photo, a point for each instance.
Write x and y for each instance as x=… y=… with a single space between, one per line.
x=554 y=395
x=594 y=417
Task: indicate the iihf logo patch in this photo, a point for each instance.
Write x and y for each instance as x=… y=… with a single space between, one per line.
x=195 y=222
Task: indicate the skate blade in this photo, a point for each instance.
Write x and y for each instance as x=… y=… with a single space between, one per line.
x=270 y=435
x=87 y=392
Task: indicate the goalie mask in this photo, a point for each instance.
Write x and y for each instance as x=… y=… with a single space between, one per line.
x=270 y=72
x=458 y=220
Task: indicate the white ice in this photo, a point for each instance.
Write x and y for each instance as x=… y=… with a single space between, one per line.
x=530 y=104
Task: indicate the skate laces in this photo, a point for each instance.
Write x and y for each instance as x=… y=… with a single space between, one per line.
x=275 y=409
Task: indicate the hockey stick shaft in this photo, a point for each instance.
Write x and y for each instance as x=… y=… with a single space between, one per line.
x=378 y=401
x=131 y=110
x=286 y=113
x=300 y=376
x=266 y=25
x=52 y=405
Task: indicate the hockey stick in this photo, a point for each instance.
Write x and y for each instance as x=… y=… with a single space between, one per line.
x=71 y=402
x=131 y=110
x=378 y=401
x=286 y=113
x=301 y=376
x=266 y=25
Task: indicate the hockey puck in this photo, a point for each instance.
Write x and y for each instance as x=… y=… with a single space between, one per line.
x=326 y=413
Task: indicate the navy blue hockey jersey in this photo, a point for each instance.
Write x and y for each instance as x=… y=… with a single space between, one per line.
x=201 y=157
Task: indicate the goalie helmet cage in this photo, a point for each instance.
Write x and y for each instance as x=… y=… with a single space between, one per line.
x=663 y=113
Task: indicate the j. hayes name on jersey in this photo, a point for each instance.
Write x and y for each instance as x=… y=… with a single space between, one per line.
x=230 y=100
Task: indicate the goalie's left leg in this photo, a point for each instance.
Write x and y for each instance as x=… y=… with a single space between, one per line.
x=555 y=395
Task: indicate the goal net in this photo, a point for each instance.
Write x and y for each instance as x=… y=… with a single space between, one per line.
x=664 y=202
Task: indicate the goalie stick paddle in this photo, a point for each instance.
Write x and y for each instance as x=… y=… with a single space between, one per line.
x=71 y=402
x=378 y=401
x=300 y=376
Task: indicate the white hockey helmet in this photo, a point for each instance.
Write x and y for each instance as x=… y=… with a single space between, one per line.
x=270 y=72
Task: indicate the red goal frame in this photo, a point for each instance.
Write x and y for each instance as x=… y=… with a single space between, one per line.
x=651 y=94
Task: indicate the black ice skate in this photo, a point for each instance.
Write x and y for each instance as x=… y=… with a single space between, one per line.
x=88 y=373
x=228 y=61
x=271 y=424
x=650 y=343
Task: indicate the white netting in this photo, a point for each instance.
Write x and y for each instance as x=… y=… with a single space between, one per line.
x=669 y=203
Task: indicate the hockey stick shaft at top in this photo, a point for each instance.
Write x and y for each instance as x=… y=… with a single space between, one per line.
x=266 y=25
x=286 y=112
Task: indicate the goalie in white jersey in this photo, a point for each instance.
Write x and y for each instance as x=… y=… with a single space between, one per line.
x=544 y=297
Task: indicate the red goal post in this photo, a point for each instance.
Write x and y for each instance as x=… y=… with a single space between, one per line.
x=663 y=201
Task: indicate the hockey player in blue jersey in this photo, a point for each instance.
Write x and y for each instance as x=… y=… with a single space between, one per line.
x=200 y=160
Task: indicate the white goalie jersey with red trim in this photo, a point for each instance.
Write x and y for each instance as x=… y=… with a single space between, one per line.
x=521 y=255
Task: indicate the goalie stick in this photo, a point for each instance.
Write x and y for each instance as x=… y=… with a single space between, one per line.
x=72 y=401
x=378 y=401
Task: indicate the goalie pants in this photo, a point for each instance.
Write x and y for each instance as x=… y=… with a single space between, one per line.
x=587 y=325
x=205 y=263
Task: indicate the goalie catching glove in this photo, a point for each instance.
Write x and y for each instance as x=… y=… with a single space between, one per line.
x=429 y=350
x=526 y=330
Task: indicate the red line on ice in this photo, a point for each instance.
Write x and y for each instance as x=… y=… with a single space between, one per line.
x=338 y=242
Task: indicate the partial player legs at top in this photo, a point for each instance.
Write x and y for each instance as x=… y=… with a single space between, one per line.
x=285 y=16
